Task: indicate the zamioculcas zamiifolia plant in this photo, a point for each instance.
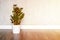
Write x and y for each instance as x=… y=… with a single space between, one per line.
x=17 y=15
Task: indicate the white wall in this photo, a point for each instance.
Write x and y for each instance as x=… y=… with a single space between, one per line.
x=36 y=11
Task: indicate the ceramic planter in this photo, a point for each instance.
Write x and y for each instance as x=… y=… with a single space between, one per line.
x=16 y=29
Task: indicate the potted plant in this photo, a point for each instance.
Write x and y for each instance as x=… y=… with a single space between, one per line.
x=16 y=17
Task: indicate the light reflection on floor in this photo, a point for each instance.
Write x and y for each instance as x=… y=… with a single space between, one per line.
x=38 y=34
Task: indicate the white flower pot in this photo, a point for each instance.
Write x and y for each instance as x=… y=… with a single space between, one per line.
x=16 y=29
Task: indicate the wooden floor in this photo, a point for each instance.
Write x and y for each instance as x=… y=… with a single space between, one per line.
x=30 y=34
x=39 y=34
x=6 y=34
